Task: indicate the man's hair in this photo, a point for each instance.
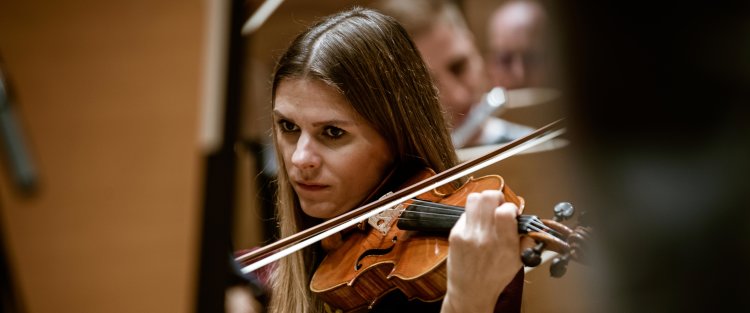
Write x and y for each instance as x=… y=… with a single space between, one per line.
x=419 y=16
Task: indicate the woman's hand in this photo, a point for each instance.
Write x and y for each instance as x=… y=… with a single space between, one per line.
x=484 y=253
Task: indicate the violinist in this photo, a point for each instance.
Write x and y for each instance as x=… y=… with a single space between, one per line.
x=356 y=114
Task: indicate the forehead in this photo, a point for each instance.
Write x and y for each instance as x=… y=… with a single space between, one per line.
x=311 y=98
x=444 y=43
x=515 y=25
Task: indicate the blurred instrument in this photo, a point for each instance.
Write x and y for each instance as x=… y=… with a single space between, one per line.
x=260 y=16
x=494 y=103
x=13 y=142
x=469 y=153
x=524 y=97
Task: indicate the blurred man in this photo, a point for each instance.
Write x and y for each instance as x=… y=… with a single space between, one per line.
x=447 y=46
x=516 y=51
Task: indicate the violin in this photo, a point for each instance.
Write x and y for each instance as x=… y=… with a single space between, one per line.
x=406 y=225
x=406 y=247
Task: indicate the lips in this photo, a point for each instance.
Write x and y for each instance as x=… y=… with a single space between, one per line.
x=309 y=186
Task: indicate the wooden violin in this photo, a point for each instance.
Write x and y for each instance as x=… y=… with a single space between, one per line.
x=405 y=247
x=414 y=211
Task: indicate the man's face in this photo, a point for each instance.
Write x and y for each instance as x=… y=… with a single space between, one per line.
x=456 y=66
x=516 y=47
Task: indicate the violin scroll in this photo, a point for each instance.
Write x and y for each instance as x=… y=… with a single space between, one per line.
x=553 y=235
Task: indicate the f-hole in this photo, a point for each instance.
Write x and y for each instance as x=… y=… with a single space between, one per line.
x=371 y=252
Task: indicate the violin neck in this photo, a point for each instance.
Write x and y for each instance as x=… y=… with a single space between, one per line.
x=437 y=217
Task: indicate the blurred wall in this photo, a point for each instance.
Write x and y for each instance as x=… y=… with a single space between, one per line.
x=107 y=93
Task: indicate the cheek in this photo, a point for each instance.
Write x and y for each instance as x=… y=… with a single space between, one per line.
x=286 y=150
x=360 y=176
x=369 y=172
x=363 y=178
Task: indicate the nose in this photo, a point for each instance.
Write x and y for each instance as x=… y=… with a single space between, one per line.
x=460 y=94
x=305 y=156
x=457 y=98
x=519 y=71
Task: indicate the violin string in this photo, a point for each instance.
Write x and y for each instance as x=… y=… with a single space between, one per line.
x=432 y=214
x=428 y=204
x=534 y=224
x=450 y=210
x=411 y=207
x=454 y=212
x=539 y=227
x=522 y=218
x=532 y=227
x=446 y=212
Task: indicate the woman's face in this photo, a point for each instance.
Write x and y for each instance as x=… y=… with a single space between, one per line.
x=334 y=157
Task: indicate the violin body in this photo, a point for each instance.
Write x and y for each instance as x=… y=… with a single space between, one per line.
x=380 y=257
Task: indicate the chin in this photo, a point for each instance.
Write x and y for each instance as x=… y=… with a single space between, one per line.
x=319 y=211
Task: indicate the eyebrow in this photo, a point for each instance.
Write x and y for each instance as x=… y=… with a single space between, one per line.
x=320 y=123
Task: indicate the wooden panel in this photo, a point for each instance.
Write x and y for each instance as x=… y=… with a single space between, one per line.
x=108 y=94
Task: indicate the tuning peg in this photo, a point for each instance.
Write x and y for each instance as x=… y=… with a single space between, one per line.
x=559 y=266
x=532 y=256
x=563 y=211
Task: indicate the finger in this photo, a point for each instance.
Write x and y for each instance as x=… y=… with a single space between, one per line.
x=458 y=229
x=488 y=201
x=506 y=225
x=470 y=210
x=502 y=196
x=461 y=223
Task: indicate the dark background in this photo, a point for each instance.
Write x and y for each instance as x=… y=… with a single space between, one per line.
x=659 y=108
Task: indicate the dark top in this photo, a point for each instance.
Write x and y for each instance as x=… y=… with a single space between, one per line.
x=509 y=300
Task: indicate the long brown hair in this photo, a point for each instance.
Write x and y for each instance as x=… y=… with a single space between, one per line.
x=371 y=60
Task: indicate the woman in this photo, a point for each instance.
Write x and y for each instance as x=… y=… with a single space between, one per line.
x=355 y=114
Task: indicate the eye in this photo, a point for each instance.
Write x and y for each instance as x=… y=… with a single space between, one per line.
x=287 y=126
x=458 y=67
x=504 y=59
x=333 y=132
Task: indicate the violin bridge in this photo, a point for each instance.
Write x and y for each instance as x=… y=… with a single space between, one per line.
x=383 y=221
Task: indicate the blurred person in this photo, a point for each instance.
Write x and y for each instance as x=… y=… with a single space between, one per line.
x=516 y=45
x=447 y=45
